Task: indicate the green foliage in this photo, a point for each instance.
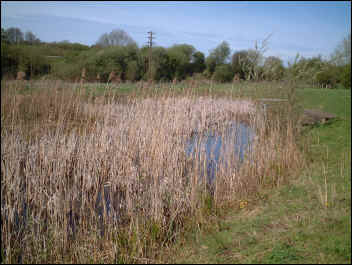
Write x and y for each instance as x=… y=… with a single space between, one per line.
x=4 y=36
x=117 y=52
x=161 y=65
x=64 y=48
x=345 y=76
x=283 y=254
x=26 y=58
x=180 y=60
x=65 y=71
x=319 y=72
x=306 y=69
x=327 y=76
x=198 y=62
x=34 y=63
x=132 y=71
x=238 y=59
x=223 y=73
x=210 y=67
x=221 y=53
x=14 y=35
x=246 y=63
x=273 y=68
x=9 y=60
x=217 y=56
x=120 y=59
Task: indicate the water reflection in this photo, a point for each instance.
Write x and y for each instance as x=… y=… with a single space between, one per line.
x=219 y=148
x=214 y=149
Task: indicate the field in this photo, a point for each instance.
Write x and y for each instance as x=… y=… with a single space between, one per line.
x=306 y=221
x=98 y=173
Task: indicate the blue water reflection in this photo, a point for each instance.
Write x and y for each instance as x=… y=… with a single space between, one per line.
x=220 y=148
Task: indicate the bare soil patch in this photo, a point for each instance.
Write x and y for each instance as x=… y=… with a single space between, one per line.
x=314 y=116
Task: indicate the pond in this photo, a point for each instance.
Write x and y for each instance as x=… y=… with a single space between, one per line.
x=220 y=148
x=212 y=149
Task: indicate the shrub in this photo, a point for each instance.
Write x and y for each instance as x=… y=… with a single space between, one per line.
x=9 y=60
x=132 y=71
x=26 y=58
x=332 y=75
x=327 y=77
x=223 y=73
x=345 y=76
x=273 y=68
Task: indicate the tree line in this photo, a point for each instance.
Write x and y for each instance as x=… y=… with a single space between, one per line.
x=116 y=52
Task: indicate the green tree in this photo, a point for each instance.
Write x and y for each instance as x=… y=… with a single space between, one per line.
x=14 y=35
x=223 y=73
x=4 y=36
x=239 y=59
x=181 y=56
x=10 y=60
x=221 y=53
x=210 y=63
x=26 y=58
x=132 y=71
x=217 y=56
x=161 y=67
x=327 y=75
x=273 y=68
x=33 y=62
x=306 y=69
x=341 y=57
x=198 y=62
x=247 y=63
x=345 y=76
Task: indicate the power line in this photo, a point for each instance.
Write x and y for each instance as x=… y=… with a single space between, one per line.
x=150 y=43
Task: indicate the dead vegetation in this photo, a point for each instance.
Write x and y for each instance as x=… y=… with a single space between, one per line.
x=112 y=179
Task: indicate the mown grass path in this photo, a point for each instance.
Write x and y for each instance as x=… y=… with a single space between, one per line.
x=305 y=221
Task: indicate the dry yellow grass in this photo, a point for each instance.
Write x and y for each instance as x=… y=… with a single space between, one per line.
x=113 y=179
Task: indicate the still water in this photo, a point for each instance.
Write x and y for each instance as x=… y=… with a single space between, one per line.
x=213 y=149
x=216 y=149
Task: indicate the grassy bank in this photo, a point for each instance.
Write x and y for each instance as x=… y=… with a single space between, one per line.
x=306 y=221
x=98 y=173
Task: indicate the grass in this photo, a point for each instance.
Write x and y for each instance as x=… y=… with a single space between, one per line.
x=305 y=221
x=70 y=145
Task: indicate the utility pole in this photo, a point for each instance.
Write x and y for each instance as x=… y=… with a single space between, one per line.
x=150 y=43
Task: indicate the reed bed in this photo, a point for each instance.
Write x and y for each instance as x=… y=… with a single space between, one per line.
x=87 y=179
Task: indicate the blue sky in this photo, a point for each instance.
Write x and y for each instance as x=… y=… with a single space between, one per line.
x=307 y=28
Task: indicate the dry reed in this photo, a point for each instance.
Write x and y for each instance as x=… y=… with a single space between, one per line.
x=85 y=180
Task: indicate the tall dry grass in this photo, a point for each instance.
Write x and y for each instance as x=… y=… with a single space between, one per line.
x=98 y=180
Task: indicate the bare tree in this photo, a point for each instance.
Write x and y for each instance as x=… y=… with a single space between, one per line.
x=342 y=53
x=30 y=37
x=117 y=37
x=250 y=60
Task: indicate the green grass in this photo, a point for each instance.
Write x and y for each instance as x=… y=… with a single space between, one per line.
x=244 y=89
x=305 y=221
